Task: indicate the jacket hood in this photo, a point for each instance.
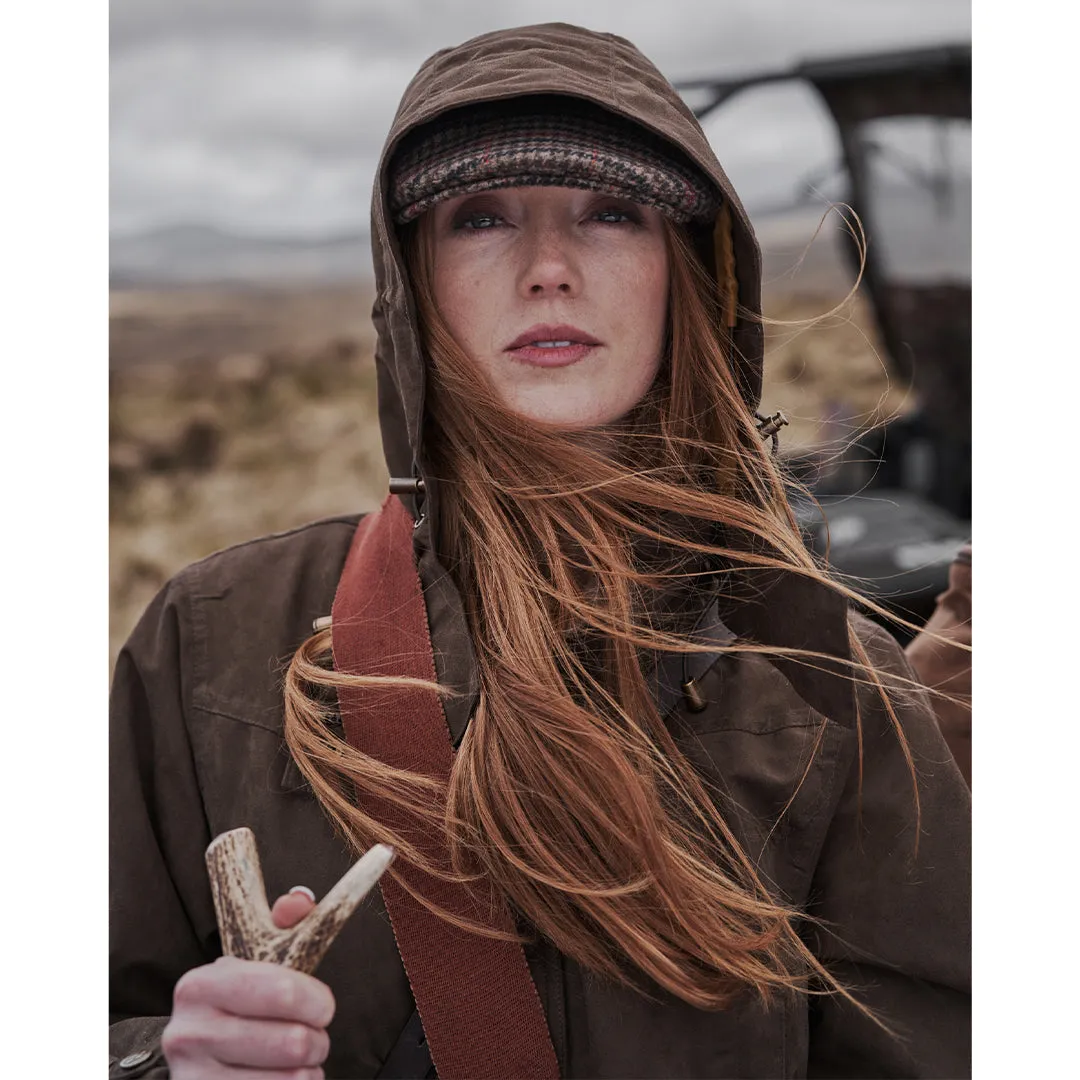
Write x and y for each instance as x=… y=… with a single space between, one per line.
x=553 y=58
x=778 y=608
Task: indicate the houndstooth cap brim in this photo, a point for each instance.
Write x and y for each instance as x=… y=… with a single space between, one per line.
x=556 y=142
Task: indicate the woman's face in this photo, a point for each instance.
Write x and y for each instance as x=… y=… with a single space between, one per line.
x=559 y=295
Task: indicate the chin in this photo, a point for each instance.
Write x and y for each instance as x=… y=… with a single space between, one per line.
x=569 y=419
x=568 y=412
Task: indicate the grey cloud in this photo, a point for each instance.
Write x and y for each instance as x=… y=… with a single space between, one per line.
x=679 y=30
x=268 y=116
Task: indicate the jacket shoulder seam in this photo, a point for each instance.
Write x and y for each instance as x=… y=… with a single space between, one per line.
x=194 y=569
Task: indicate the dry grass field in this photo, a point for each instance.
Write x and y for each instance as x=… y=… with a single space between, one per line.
x=241 y=412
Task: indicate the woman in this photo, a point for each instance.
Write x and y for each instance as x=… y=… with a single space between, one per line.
x=720 y=825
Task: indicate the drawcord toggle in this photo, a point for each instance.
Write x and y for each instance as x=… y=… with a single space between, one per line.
x=769 y=427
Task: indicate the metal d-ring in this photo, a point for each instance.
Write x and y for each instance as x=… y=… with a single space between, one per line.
x=410 y=485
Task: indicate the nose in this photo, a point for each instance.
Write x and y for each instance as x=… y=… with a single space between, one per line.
x=549 y=268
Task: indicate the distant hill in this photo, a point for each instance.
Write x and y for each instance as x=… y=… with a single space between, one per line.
x=203 y=255
x=187 y=255
x=920 y=242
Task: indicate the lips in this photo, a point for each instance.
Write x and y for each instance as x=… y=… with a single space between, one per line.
x=552 y=346
x=547 y=333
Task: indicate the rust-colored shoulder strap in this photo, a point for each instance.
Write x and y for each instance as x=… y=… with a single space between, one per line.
x=480 y=1009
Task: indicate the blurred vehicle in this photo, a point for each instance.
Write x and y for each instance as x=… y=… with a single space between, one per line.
x=895 y=507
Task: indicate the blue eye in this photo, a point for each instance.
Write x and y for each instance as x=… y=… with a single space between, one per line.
x=618 y=214
x=477 y=221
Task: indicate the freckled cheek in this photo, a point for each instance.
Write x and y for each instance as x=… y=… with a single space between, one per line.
x=640 y=295
x=464 y=300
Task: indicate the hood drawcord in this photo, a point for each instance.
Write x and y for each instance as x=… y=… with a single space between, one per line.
x=727 y=281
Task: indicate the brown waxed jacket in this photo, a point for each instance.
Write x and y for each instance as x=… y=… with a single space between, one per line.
x=196 y=742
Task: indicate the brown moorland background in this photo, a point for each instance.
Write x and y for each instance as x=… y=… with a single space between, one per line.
x=238 y=411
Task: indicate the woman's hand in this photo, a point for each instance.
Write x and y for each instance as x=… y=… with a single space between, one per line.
x=247 y=1018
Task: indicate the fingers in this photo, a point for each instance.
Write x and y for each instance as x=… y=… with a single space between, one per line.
x=243 y=1017
x=280 y=1074
x=267 y=1044
x=288 y=910
x=256 y=990
x=223 y=1040
x=268 y=1074
x=197 y=1065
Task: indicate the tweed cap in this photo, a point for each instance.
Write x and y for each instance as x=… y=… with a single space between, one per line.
x=545 y=141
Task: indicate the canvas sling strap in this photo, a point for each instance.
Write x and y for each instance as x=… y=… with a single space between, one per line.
x=481 y=1012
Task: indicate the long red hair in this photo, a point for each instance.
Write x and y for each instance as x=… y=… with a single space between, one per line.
x=579 y=562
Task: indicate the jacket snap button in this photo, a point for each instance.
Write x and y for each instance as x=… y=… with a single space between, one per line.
x=134 y=1059
x=695 y=701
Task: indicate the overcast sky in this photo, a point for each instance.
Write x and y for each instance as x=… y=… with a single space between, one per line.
x=267 y=116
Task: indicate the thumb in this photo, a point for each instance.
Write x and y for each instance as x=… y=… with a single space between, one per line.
x=289 y=909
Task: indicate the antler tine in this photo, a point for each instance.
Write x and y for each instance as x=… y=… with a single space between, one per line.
x=243 y=914
x=316 y=932
x=236 y=880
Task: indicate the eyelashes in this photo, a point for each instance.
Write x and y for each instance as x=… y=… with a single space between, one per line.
x=471 y=220
x=628 y=213
x=474 y=219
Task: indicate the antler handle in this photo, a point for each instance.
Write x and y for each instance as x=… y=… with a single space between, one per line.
x=243 y=914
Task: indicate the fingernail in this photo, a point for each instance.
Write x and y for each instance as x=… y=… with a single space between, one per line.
x=305 y=890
